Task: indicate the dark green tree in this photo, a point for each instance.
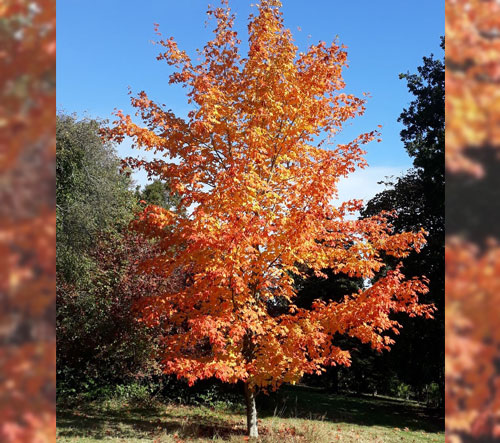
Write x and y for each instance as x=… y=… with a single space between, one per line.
x=99 y=339
x=92 y=195
x=418 y=199
x=158 y=193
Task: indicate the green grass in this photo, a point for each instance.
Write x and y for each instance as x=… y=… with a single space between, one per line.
x=297 y=414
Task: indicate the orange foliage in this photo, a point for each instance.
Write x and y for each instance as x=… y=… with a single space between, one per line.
x=260 y=188
x=27 y=221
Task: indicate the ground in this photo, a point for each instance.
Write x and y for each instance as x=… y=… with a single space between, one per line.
x=298 y=414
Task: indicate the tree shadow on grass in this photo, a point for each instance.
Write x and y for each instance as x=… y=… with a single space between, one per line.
x=129 y=423
x=140 y=423
x=364 y=410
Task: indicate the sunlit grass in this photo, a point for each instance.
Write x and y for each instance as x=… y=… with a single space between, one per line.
x=298 y=415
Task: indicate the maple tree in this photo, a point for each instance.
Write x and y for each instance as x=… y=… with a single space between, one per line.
x=260 y=183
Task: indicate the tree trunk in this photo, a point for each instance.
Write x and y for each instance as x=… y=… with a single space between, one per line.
x=251 y=412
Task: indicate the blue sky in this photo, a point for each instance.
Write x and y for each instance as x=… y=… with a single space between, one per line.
x=104 y=47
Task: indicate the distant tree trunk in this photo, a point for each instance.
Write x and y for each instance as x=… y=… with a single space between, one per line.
x=334 y=379
x=441 y=391
x=251 y=412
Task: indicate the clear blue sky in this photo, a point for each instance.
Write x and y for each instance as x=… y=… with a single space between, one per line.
x=104 y=47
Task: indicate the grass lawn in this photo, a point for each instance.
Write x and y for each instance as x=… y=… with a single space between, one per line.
x=297 y=414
